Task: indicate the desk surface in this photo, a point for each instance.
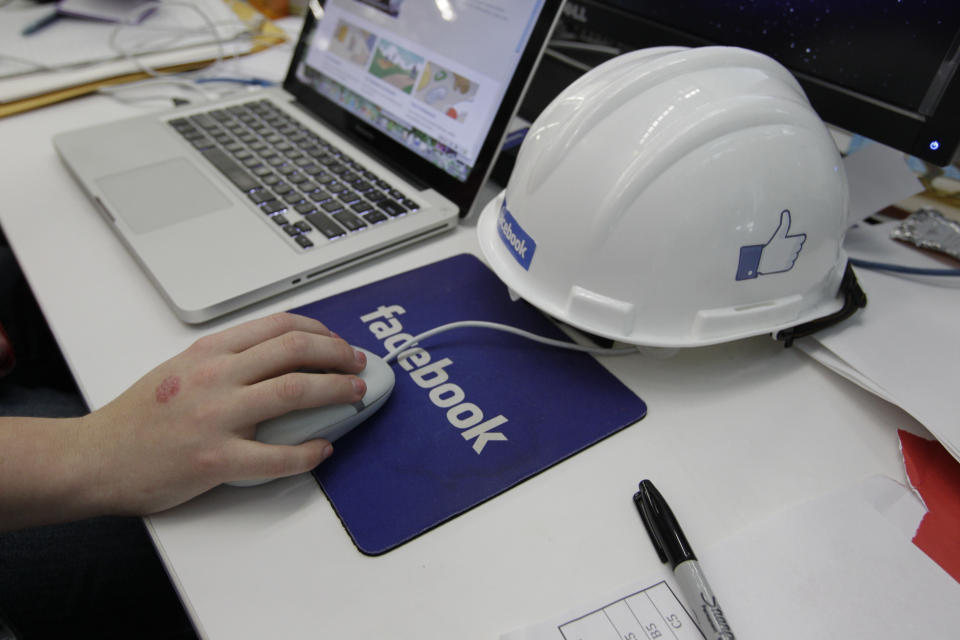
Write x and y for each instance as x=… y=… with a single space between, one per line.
x=734 y=432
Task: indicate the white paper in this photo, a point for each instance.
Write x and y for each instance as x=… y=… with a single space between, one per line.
x=878 y=177
x=829 y=359
x=835 y=567
x=905 y=341
x=30 y=65
x=109 y=10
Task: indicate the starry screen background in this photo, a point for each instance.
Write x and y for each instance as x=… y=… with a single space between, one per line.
x=887 y=49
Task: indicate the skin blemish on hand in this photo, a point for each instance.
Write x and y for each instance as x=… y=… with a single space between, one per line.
x=167 y=389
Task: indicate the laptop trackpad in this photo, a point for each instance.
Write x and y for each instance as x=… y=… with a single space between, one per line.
x=158 y=195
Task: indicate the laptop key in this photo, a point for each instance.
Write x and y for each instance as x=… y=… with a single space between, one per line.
x=259 y=196
x=350 y=221
x=362 y=206
x=391 y=207
x=375 y=217
x=294 y=197
x=304 y=241
x=203 y=143
x=272 y=206
x=349 y=197
x=325 y=225
x=331 y=206
x=233 y=171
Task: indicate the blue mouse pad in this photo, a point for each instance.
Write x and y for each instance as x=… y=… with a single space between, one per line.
x=474 y=411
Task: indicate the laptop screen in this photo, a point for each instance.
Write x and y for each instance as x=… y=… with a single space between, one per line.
x=440 y=79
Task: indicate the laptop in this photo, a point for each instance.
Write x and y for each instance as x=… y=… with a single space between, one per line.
x=388 y=123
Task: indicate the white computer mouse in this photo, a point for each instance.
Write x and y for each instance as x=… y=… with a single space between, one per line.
x=332 y=421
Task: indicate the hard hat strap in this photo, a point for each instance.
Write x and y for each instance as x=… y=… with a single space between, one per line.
x=853 y=298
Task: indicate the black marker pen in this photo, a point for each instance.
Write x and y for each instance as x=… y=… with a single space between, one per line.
x=672 y=547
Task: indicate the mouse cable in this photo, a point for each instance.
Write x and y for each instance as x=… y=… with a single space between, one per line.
x=898 y=268
x=482 y=324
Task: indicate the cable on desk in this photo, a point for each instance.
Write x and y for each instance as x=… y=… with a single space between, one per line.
x=257 y=82
x=899 y=268
x=136 y=16
x=481 y=324
x=158 y=39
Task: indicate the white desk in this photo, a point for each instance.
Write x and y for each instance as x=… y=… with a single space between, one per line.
x=733 y=433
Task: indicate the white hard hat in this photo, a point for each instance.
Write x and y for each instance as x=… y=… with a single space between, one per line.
x=677 y=197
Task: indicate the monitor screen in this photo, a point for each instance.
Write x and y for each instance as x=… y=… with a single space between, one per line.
x=885 y=69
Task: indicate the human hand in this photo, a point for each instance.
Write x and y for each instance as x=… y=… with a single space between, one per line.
x=189 y=424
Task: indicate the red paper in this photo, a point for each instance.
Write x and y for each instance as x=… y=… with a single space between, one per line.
x=935 y=474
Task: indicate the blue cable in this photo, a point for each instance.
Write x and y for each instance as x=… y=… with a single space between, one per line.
x=898 y=268
x=251 y=81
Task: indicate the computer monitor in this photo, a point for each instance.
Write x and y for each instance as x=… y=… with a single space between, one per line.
x=884 y=69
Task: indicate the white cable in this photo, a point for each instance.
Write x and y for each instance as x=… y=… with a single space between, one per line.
x=183 y=80
x=481 y=324
x=156 y=39
x=133 y=18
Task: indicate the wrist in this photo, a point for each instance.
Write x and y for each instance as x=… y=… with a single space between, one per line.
x=47 y=473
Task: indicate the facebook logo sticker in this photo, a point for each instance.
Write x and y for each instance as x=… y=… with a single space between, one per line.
x=776 y=256
x=520 y=244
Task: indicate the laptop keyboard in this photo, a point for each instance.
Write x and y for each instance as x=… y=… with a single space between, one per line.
x=304 y=184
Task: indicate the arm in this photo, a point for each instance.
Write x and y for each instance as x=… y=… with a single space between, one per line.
x=182 y=429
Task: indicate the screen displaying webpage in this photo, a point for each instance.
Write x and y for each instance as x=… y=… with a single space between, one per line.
x=431 y=75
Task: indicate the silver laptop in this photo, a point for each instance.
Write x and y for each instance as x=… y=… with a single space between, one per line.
x=388 y=123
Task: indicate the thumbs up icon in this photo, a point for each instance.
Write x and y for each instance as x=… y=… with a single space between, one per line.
x=776 y=256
